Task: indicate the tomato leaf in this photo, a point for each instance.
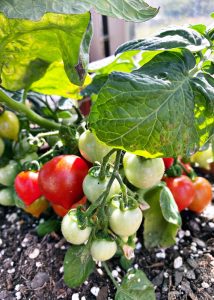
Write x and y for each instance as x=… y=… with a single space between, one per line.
x=48 y=227
x=135 y=285
x=78 y=265
x=28 y=48
x=151 y=112
x=175 y=37
x=138 y=11
x=169 y=207
x=160 y=228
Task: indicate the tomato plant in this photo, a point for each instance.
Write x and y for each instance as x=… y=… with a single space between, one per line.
x=182 y=189
x=1 y=147
x=61 y=178
x=153 y=100
x=27 y=186
x=203 y=195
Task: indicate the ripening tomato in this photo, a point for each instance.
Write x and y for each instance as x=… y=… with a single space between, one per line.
x=37 y=207
x=203 y=195
x=93 y=149
x=182 y=190
x=61 y=178
x=27 y=186
x=9 y=125
x=143 y=173
x=61 y=211
x=168 y=162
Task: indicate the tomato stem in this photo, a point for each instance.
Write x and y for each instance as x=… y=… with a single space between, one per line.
x=104 y=164
x=108 y=271
x=30 y=114
x=123 y=188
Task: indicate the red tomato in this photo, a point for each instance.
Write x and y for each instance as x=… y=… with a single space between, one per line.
x=182 y=189
x=27 y=187
x=61 y=178
x=37 y=207
x=168 y=162
x=61 y=211
x=203 y=195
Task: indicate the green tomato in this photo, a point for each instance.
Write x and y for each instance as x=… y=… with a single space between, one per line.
x=127 y=222
x=9 y=125
x=6 y=197
x=143 y=173
x=71 y=231
x=203 y=158
x=2 y=147
x=102 y=250
x=93 y=187
x=8 y=173
x=29 y=157
x=93 y=149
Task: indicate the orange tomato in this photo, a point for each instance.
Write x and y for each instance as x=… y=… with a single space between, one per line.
x=203 y=195
x=37 y=207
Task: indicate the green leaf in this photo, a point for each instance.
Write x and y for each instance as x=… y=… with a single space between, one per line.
x=56 y=82
x=78 y=265
x=161 y=221
x=123 y=62
x=171 y=38
x=95 y=86
x=135 y=286
x=212 y=15
x=135 y=10
x=169 y=207
x=48 y=227
x=28 y=48
x=200 y=28
x=150 y=112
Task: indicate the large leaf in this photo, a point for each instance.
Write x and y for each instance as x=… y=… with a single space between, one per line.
x=27 y=48
x=161 y=220
x=135 y=286
x=123 y=62
x=56 y=82
x=150 y=112
x=171 y=38
x=78 y=265
x=135 y=10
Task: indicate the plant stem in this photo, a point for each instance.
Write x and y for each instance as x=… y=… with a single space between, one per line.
x=104 y=164
x=101 y=200
x=31 y=115
x=123 y=188
x=110 y=275
x=44 y=134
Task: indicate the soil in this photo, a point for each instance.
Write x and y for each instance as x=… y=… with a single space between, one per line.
x=31 y=267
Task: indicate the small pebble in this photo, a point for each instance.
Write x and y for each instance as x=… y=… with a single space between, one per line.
x=161 y=255
x=18 y=295
x=61 y=270
x=1 y=243
x=34 y=254
x=175 y=247
x=95 y=291
x=11 y=271
x=136 y=266
x=181 y=234
x=83 y=298
x=17 y=287
x=75 y=296
x=166 y=275
x=205 y=285
x=138 y=246
x=118 y=269
x=178 y=262
x=211 y=224
x=193 y=248
x=38 y=264
x=100 y=271
x=114 y=273
x=187 y=233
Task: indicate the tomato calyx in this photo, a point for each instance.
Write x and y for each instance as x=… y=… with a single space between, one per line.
x=179 y=168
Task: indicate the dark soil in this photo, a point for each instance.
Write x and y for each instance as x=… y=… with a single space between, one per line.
x=31 y=267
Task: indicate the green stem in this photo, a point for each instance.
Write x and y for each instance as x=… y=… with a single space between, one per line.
x=101 y=200
x=44 y=134
x=110 y=275
x=46 y=154
x=104 y=164
x=31 y=115
x=123 y=188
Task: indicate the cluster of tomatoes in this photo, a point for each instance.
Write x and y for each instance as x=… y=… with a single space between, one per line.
x=93 y=206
